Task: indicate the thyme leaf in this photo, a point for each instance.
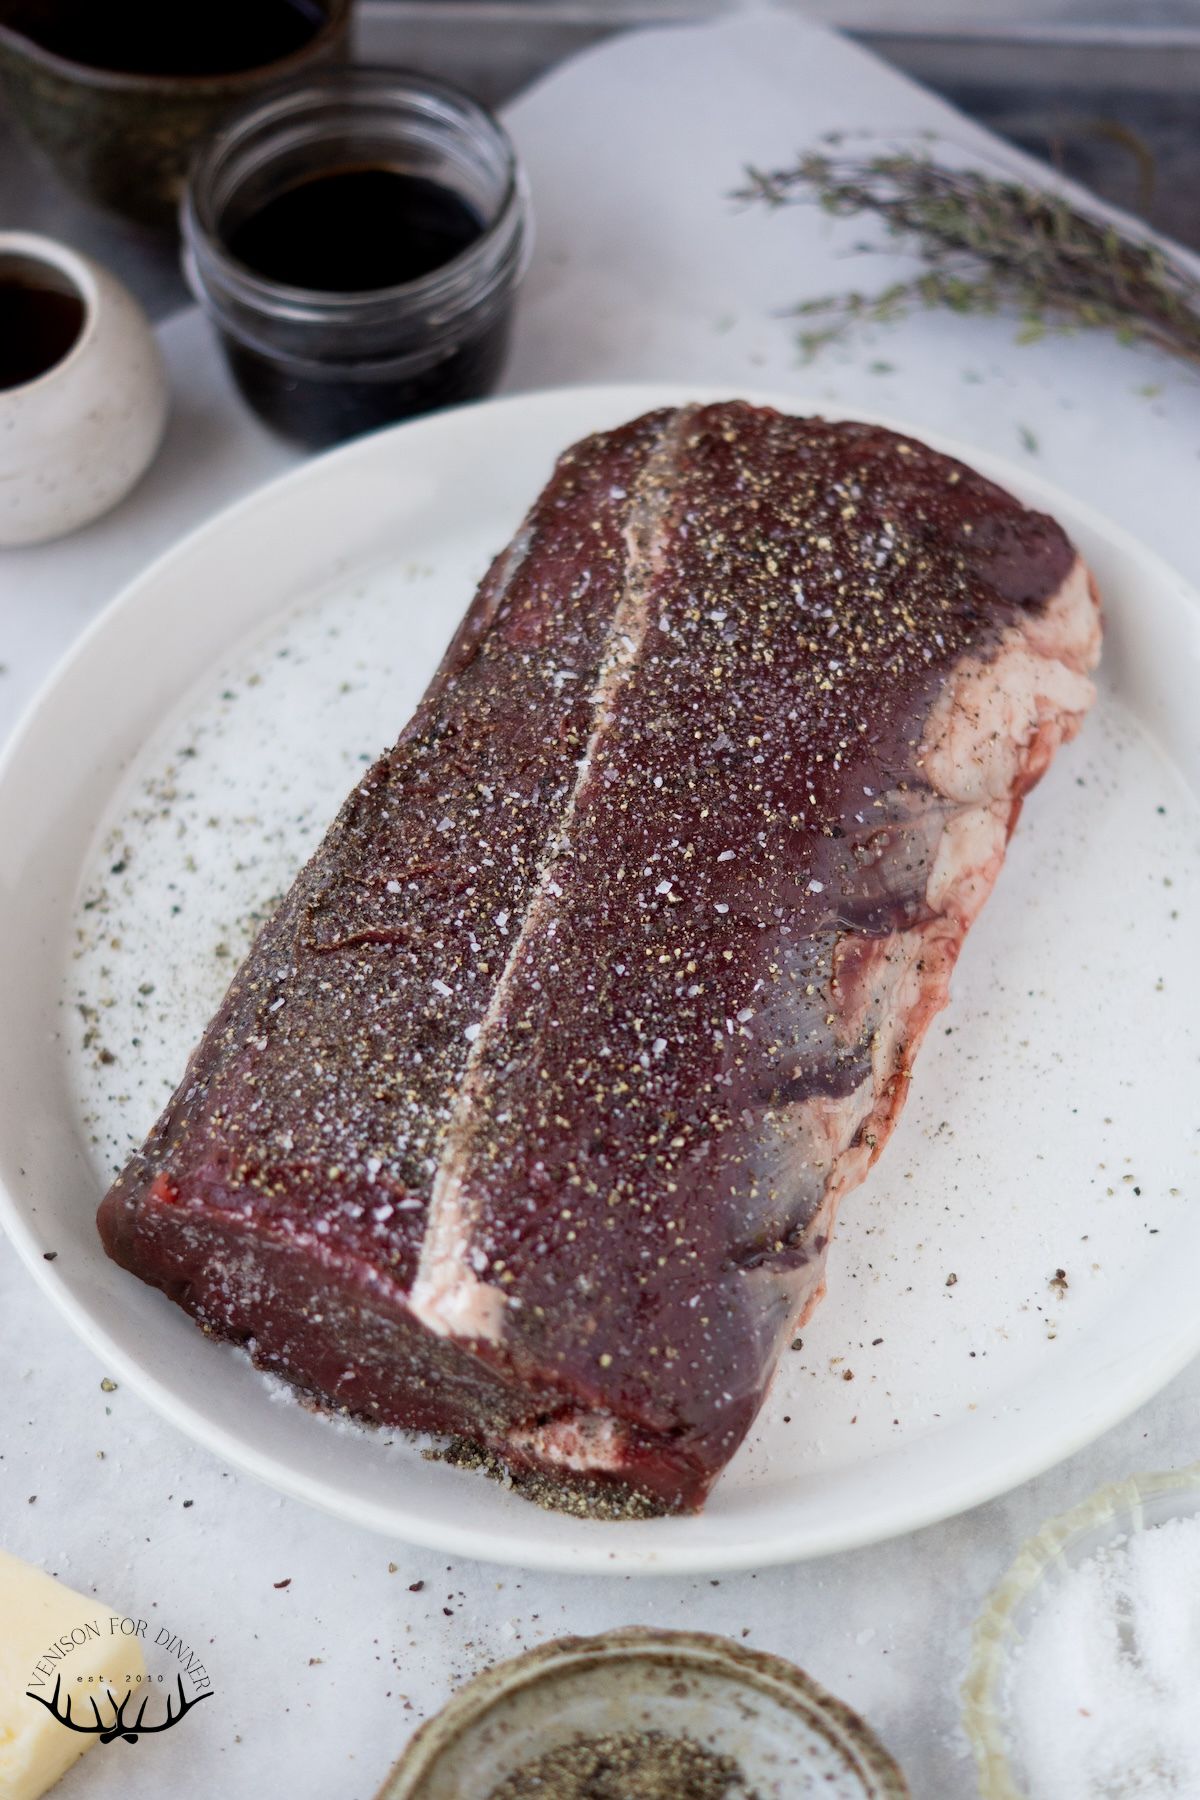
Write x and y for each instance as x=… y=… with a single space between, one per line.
x=990 y=244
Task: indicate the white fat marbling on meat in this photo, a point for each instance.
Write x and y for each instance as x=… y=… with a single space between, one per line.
x=996 y=724
x=579 y=1441
x=989 y=737
x=969 y=857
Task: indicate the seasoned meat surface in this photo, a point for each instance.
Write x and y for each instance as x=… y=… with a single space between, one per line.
x=527 y=1117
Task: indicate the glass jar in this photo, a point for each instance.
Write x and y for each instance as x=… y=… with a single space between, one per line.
x=1107 y=1519
x=320 y=365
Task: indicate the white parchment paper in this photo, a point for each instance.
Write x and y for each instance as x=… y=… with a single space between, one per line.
x=644 y=267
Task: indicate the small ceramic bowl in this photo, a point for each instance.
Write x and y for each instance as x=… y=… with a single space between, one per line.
x=77 y=435
x=789 y=1738
x=124 y=138
x=1112 y=1513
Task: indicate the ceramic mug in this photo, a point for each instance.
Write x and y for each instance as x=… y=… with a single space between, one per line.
x=76 y=435
x=123 y=138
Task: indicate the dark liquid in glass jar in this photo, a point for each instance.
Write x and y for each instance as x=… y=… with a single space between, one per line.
x=38 y=326
x=318 y=411
x=155 y=37
x=349 y=231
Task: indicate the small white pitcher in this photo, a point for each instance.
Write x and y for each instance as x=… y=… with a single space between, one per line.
x=76 y=436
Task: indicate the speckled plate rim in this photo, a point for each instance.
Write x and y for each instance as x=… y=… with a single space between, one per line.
x=39 y=784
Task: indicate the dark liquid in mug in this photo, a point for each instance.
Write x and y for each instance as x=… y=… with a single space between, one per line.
x=157 y=37
x=38 y=326
x=347 y=231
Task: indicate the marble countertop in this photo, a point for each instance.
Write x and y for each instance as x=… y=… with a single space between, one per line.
x=643 y=270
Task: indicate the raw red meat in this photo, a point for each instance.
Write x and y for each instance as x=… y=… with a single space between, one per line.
x=528 y=1115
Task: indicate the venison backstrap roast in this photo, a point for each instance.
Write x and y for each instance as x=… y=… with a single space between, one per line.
x=528 y=1115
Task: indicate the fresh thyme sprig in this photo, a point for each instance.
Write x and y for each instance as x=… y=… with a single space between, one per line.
x=991 y=244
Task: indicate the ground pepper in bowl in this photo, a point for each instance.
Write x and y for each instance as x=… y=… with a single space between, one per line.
x=631 y=1765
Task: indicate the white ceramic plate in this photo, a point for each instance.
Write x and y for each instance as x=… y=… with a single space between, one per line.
x=186 y=756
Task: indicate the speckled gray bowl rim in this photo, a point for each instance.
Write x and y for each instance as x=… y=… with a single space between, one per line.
x=788 y=1685
x=121 y=81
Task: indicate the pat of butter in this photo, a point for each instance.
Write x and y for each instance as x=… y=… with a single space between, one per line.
x=49 y=1633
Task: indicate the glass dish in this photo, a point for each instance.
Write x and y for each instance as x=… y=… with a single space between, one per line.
x=1113 y=1513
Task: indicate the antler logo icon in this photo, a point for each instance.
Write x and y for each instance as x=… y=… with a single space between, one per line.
x=117 y=1726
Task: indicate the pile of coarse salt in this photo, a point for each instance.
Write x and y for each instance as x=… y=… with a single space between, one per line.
x=1103 y=1696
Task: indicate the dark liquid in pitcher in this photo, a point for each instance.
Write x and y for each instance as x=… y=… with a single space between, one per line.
x=346 y=231
x=156 y=37
x=38 y=326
